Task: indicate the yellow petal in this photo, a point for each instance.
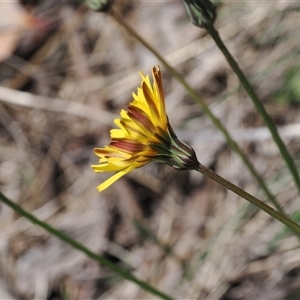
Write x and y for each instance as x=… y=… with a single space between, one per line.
x=114 y=178
x=141 y=104
x=112 y=165
x=159 y=94
x=108 y=167
x=124 y=114
x=118 y=133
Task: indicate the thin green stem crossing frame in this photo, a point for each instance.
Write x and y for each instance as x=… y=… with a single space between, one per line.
x=257 y=103
x=253 y=200
x=203 y=106
x=68 y=240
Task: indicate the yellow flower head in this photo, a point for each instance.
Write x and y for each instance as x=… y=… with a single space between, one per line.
x=144 y=135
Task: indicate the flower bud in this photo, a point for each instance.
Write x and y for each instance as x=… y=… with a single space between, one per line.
x=97 y=5
x=200 y=12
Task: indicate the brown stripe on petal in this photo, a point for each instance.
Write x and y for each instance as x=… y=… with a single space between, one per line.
x=149 y=98
x=128 y=146
x=107 y=153
x=101 y=151
x=158 y=82
x=140 y=118
x=131 y=129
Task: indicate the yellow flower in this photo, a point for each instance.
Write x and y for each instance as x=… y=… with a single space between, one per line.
x=144 y=135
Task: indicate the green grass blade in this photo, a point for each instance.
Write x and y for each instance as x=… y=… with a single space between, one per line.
x=68 y=240
x=257 y=103
x=203 y=106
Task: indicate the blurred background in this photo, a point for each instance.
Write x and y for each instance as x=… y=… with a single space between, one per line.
x=65 y=73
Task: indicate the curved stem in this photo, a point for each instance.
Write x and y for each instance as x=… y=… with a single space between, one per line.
x=203 y=106
x=257 y=103
x=68 y=240
x=258 y=203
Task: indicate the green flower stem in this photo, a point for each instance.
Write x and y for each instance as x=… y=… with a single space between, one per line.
x=261 y=205
x=65 y=238
x=203 y=106
x=257 y=103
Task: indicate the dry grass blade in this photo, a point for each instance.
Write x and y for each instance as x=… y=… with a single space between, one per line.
x=53 y=115
x=11 y=96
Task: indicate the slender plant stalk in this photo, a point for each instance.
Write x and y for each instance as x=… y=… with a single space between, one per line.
x=257 y=103
x=68 y=240
x=203 y=106
x=261 y=205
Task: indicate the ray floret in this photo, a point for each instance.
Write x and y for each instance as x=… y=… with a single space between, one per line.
x=144 y=134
